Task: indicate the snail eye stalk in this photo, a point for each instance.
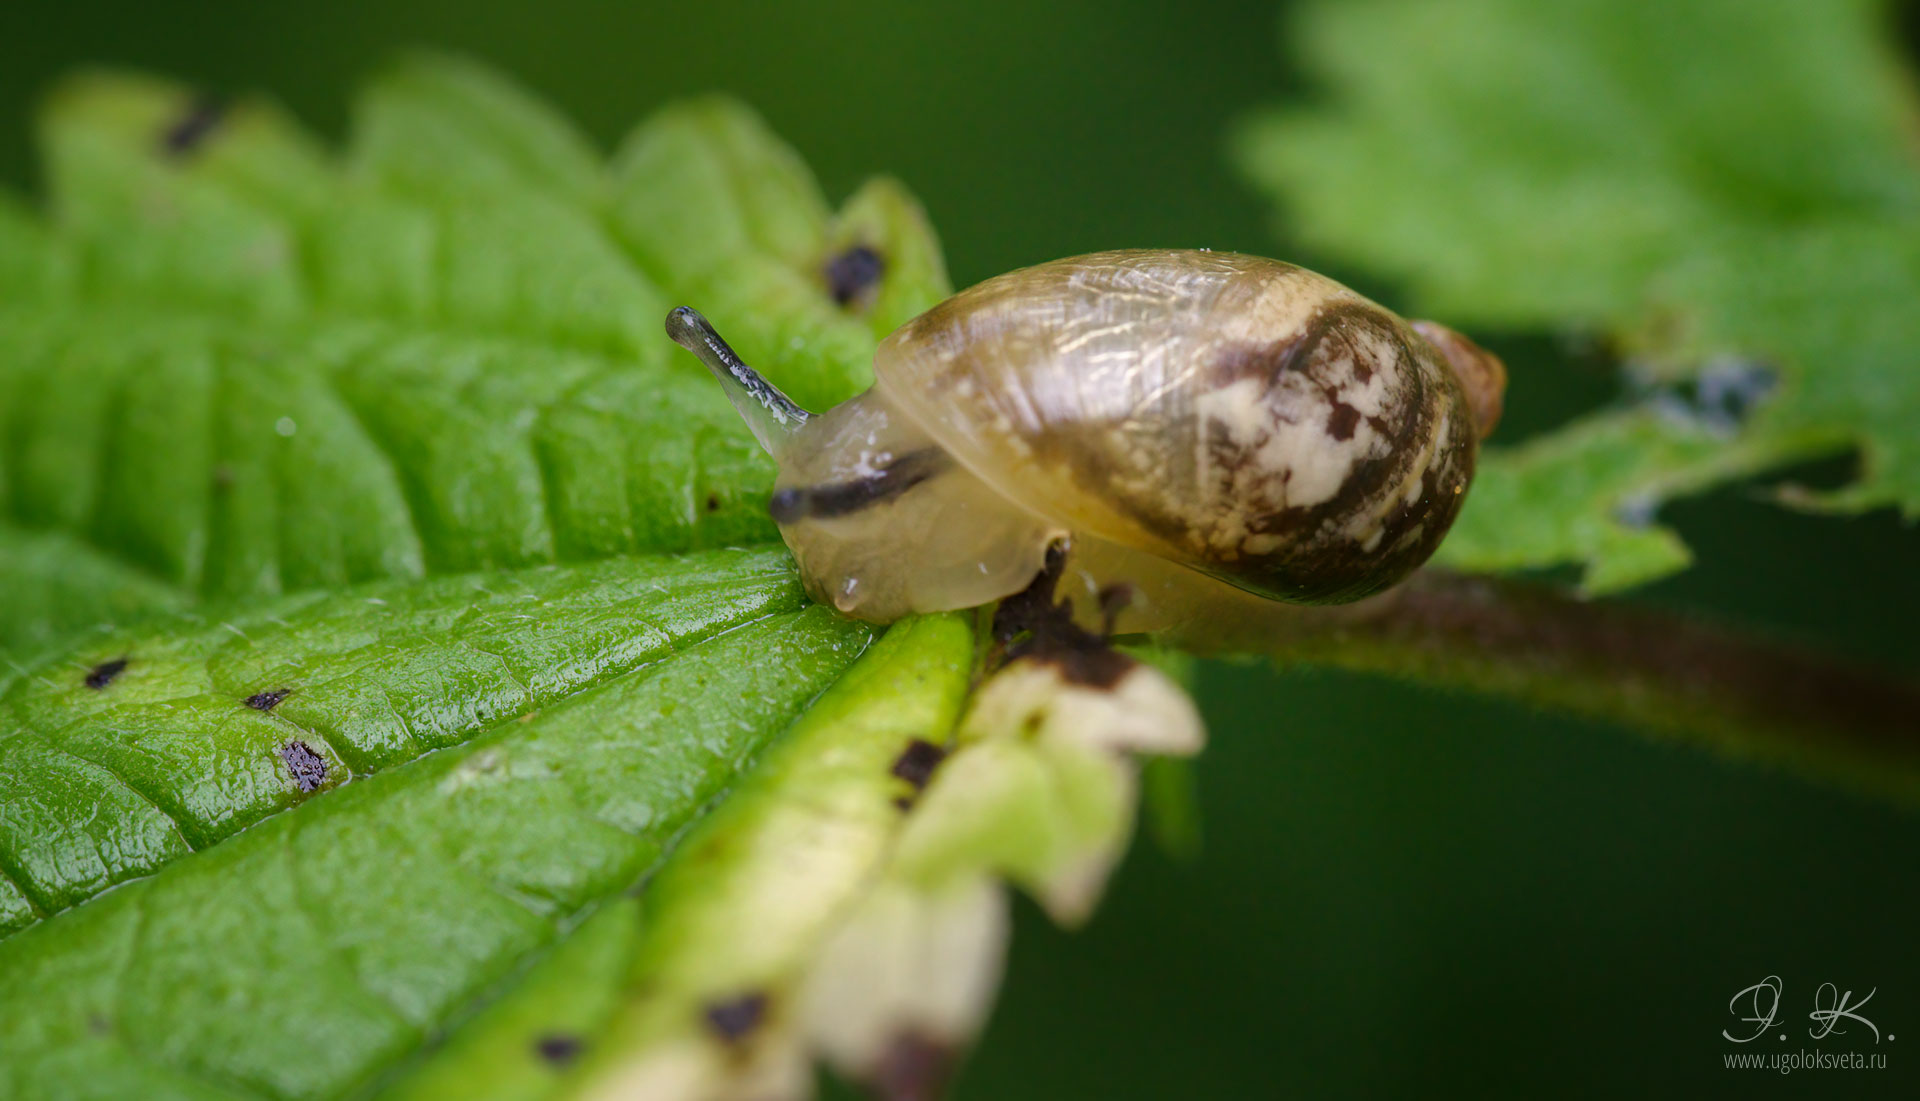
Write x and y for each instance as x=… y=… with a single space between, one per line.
x=772 y=415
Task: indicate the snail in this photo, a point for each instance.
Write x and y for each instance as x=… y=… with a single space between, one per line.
x=1190 y=423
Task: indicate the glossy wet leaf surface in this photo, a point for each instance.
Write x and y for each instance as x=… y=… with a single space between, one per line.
x=170 y=739
x=306 y=955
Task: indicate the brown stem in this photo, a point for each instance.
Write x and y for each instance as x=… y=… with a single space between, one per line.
x=1649 y=669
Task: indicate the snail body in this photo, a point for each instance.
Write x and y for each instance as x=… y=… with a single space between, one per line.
x=1186 y=420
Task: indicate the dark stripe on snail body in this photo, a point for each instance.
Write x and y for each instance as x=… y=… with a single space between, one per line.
x=823 y=502
x=1239 y=418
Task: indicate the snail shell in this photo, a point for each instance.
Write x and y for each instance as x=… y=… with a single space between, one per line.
x=1243 y=418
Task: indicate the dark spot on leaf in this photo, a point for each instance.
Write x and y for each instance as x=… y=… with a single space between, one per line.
x=1719 y=399
x=308 y=769
x=1637 y=511
x=912 y=1068
x=854 y=272
x=103 y=674
x=733 y=1020
x=194 y=126
x=99 y=1025
x=1344 y=419
x=1031 y=623
x=267 y=701
x=222 y=478
x=713 y=502
x=916 y=763
x=558 y=1048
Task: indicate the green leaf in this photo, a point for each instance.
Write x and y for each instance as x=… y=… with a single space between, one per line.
x=1711 y=183
x=740 y=917
x=304 y=956
x=50 y=581
x=402 y=688
x=189 y=741
x=444 y=354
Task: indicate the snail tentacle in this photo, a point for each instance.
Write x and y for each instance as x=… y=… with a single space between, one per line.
x=772 y=415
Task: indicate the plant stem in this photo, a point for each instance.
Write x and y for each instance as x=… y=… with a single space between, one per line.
x=1649 y=669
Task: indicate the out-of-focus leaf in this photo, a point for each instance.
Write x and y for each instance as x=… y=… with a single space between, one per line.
x=1728 y=189
x=51 y=581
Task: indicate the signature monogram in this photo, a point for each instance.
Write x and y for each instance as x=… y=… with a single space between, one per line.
x=1830 y=1007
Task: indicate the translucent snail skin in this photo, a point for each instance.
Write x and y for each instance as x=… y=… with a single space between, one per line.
x=1185 y=421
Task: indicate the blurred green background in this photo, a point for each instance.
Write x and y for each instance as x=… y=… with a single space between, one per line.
x=1401 y=890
